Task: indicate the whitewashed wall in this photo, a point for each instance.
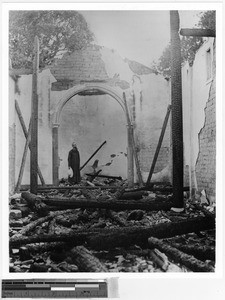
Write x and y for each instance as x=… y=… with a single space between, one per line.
x=90 y=120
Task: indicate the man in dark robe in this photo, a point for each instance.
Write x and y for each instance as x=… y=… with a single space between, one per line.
x=74 y=164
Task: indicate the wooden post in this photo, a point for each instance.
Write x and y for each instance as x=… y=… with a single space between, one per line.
x=34 y=122
x=25 y=132
x=177 y=120
x=159 y=145
x=55 y=155
x=130 y=158
x=133 y=143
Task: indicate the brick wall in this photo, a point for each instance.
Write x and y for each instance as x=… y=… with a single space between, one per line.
x=206 y=162
x=77 y=67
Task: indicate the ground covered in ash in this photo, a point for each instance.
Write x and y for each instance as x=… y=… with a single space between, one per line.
x=61 y=256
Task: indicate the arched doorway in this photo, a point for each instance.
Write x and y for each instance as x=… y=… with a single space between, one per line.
x=103 y=88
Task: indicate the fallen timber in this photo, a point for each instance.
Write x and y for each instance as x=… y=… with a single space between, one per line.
x=113 y=204
x=104 y=176
x=44 y=247
x=119 y=237
x=29 y=227
x=63 y=203
x=92 y=155
x=35 y=203
x=160 y=259
x=201 y=252
x=132 y=195
x=85 y=260
x=180 y=257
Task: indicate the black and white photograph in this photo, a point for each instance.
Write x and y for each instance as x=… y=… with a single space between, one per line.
x=112 y=141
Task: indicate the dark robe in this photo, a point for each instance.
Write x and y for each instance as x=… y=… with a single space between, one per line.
x=74 y=163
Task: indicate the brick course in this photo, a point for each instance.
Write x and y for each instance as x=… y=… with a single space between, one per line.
x=81 y=65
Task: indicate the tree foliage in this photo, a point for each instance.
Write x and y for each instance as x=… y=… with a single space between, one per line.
x=56 y=30
x=189 y=45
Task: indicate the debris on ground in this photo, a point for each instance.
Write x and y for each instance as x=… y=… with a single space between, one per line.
x=41 y=234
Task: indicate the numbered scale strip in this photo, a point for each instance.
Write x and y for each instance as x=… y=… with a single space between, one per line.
x=54 y=288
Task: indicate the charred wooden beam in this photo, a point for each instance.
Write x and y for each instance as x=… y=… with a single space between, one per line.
x=119 y=237
x=198 y=32
x=158 y=145
x=177 y=119
x=160 y=259
x=29 y=227
x=22 y=167
x=201 y=252
x=92 y=155
x=25 y=132
x=136 y=195
x=86 y=261
x=44 y=247
x=30 y=198
x=114 y=204
x=139 y=236
x=180 y=257
x=55 y=154
x=104 y=176
x=35 y=203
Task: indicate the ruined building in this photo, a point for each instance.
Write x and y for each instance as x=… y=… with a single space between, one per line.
x=81 y=98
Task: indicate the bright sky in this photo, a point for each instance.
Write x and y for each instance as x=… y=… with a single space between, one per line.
x=137 y=35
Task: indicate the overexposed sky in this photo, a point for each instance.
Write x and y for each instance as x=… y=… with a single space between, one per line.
x=137 y=35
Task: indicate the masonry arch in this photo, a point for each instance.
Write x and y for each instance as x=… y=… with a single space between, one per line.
x=76 y=90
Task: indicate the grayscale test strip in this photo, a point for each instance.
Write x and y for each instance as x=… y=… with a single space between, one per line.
x=54 y=288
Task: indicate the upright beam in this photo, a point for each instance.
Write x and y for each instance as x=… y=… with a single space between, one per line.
x=130 y=158
x=177 y=120
x=133 y=142
x=55 y=154
x=34 y=122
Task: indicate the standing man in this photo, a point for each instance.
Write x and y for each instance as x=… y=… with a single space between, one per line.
x=74 y=164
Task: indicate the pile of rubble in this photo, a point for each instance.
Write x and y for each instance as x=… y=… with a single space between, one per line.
x=101 y=226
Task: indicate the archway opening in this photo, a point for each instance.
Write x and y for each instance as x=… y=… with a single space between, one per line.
x=88 y=115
